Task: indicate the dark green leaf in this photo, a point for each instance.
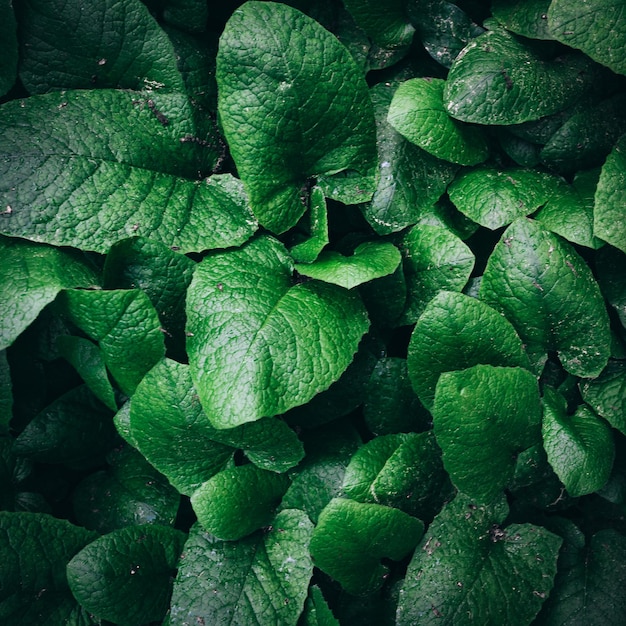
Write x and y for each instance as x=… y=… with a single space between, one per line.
x=294 y=106
x=261 y=579
x=545 y=289
x=126 y=576
x=6 y=394
x=307 y=251
x=387 y=24
x=612 y=280
x=316 y=611
x=8 y=36
x=260 y=345
x=524 y=17
x=186 y=14
x=483 y=417
x=606 y=394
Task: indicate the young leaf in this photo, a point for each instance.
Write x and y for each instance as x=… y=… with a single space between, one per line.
x=434 y=259
x=294 y=106
x=126 y=327
x=31 y=276
x=495 y=197
x=594 y=26
x=370 y=260
x=351 y=537
x=524 y=17
x=455 y=332
x=260 y=345
x=237 y=501
x=548 y=293
x=261 y=579
x=316 y=611
x=580 y=447
x=67 y=44
x=307 y=251
x=418 y=114
x=8 y=36
x=88 y=168
x=35 y=549
x=470 y=570
x=606 y=394
x=483 y=417
x=608 y=212
x=497 y=79
x=126 y=576
x=388 y=25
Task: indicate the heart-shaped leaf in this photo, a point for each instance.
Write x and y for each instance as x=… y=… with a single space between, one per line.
x=259 y=345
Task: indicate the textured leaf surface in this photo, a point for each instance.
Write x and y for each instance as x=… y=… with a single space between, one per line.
x=72 y=177
x=499 y=80
x=483 y=417
x=261 y=579
x=239 y=500
x=295 y=108
x=418 y=114
x=597 y=27
x=434 y=259
x=351 y=537
x=455 y=332
x=316 y=611
x=494 y=198
x=67 y=44
x=126 y=576
x=308 y=250
x=548 y=293
x=388 y=25
x=580 y=447
x=259 y=345
x=612 y=280
x=31 y=277
x=524 y=17
x=8 y=35
x=606 y=394
x=370 y=260
x=470 y=570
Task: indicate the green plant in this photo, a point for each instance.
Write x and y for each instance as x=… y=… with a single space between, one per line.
x=312 y=313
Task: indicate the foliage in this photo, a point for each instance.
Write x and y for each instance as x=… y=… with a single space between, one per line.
x=313 y=313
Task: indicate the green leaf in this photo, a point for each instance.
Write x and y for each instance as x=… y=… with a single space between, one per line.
x=606 y=394
x=316 y=611
x=260 y=345
x=126 y=327
x=35 y=549
x=586 y=588
x=580 y=447
x=294 y=106
x=261 y=579
x=370 y=260
x=88 y=168
x=410 y=179
x=6 y=394
x=67 y=44
x=417 y=113
x=468 y=569
x=31 y=277
x=351 y=537
x=434 y=259
x=237 y=501
x=608 y=212
x=8 y=36
x=612 y=280
x=455 y=332
x=307 y=251
x=548 y=293
x=495 y=197
x=87 y=359
x=74 y=429
x=129 y=492
x=387 y=24
x=483 y=417
x=524 y=17
x=189 y=15
x=596 y=27
x=126 y=576
x=497 y=79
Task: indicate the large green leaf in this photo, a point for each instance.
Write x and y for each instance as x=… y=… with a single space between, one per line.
x=31 y=277
x=483 y=417
x=259 y=345
x=606 y=394
x=8 y=36
x=261 y=579
x=88 y=168
x=497 y=79
x=596 y=27
x=546 y=290
x=351 y=538
x=524 y=17
x=294 y=106
x=126 y=576
x=418 y=114
x=454 y=332
x=69 y=44
x=469 y=569
x=580 y=447
x=35 y=549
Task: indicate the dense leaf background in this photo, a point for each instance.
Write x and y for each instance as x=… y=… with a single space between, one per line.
x=312 y=312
